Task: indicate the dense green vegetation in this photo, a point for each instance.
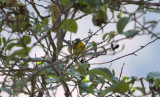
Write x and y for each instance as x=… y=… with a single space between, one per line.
x=23 y=27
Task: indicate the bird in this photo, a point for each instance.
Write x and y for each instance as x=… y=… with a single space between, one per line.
x=78 y=46
x=75 y=47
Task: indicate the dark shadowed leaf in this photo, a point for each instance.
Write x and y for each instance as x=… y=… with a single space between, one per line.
x=4 y=40
x=65 y=2
x=91 y=88
x=27 y=39
x=0 y=41
x=107 y=1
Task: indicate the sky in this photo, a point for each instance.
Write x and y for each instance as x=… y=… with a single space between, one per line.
x=147 y=59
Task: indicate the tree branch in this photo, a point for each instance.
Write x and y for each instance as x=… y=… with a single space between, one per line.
x=133 y=53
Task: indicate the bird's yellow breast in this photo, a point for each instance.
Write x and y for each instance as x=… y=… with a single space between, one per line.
x=79 y=48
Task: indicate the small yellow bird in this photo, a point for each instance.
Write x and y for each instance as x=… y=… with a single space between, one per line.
x=76 y=47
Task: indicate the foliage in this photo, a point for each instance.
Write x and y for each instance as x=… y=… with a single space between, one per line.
x=23 y=27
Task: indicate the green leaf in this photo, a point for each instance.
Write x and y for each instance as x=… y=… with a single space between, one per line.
x=154 y=10
x=45 y=25
x=18 y=84
x=94 y=44
x=88 y=46
x=107 y=1
x=4 y=40
x=82 y=68
x=74 y=73
x=65 y=2
x=104 y=72
x=4 y=1
x=121 y=87
x=111 y=35
x=140 y=89
x=119 y=15
x=151 y=22
x=53 y=76
x=27 y=39
x=36 y=21
x=99 y=17
x=99 y=80
x=21 y=53
x=0 y=41
x=6 y=90
x=133 y=79
x=141 y=11
x=104 y=92
x=50 y=80
x=69 y=25
x=91 y=88
x=45 y=21
x=105 y=51
x=11 y=45
x=94 y=3
x=104 y=36
x=155 y=34
x=85 y=79
x=38 y=28
x=157 y=82
x=153 y=75
x=83 y=6
x=83 y=87
x=121 y=24
x=113 y=72
x=130 y=33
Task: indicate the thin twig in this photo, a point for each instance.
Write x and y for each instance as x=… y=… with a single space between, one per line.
x=133 y=53
x=121 y=71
